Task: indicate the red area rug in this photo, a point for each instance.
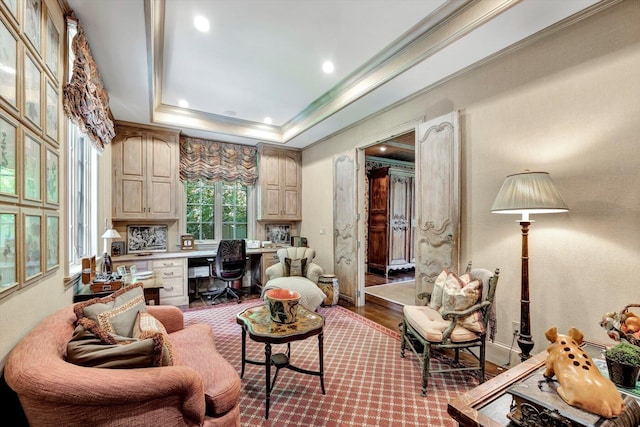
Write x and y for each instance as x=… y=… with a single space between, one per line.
x=366 y=381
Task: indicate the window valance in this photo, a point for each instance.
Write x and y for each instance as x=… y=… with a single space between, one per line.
x=214 y=161
x=86 y=101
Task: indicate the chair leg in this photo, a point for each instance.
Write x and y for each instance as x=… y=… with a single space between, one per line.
x=482 y=361
x=426 y=356
x=403 y=339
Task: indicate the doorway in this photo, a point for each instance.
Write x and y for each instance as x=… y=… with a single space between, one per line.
x=389 y=255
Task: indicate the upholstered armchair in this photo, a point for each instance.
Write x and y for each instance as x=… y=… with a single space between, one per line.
x=296 y=271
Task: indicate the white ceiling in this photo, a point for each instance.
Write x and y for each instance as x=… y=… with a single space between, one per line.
x=263 y=58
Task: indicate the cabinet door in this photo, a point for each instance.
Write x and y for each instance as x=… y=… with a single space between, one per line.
x=270 y=184
x=400 y=192
x=162 y=154
x=280 y=183
x=129 y=154
x=290 y=188
x=378 y=211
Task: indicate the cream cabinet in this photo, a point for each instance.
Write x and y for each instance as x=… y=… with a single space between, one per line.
x=172 y=273
x=145 y=173
x=279 y=184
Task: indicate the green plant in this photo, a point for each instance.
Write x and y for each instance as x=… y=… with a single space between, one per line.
x=625 y=353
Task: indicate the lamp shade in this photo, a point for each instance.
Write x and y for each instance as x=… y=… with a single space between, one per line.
x=111 y=233
x=528 y=193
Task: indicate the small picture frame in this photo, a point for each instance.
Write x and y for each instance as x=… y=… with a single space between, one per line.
x=298 y=241
x=187 y=242
x=52 y=242
x=118 y=249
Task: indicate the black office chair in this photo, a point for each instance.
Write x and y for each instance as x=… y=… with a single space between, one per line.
x=230 y=265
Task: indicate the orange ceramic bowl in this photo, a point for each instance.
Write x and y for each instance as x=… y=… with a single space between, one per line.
x=282 y=305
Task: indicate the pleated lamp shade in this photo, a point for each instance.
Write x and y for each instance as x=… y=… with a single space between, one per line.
x=528 y=193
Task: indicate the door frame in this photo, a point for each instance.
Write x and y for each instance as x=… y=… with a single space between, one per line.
x=360 y=158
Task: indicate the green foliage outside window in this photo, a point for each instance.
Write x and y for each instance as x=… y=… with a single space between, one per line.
x=203 y=207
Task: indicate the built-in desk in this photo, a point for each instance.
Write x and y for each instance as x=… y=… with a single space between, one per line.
x=172 y=269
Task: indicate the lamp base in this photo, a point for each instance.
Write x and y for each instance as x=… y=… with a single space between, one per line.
x=526 y=345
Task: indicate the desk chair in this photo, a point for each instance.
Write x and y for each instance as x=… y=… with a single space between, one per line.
x=230 y=265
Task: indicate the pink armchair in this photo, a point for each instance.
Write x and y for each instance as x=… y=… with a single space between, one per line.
x=200 y=389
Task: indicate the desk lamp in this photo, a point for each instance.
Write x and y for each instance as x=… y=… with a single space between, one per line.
x=527 y=193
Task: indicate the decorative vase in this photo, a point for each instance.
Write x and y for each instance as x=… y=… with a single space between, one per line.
x=282 y=305
x=622 y=375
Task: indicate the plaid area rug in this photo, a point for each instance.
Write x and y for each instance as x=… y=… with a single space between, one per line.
x=366 y=381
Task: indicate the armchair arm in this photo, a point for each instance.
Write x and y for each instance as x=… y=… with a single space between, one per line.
x=453 y=317
x=171 y=317
x=425 y=296
x=314 y=271
x=274 y=271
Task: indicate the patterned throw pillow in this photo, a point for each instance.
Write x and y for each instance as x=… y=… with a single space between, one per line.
x=117 y=332
x=294 y=267
x=438 y=288
x=458 y=296
x=115 y=314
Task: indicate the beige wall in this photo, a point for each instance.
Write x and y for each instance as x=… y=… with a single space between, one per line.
x=568 y=104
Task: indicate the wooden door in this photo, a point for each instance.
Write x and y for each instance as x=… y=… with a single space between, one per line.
x=400 y=200
x=378 y=214
x=437 y=199
x=345 y=230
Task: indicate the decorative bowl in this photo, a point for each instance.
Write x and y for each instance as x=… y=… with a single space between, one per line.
x=282 y=305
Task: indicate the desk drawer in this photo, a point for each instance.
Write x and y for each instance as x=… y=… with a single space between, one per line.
x=167 y=263
x=169 y=273
x=172 y=287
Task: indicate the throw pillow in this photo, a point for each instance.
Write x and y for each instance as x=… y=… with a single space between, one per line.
x=115 y=314
x=294 y=267
x=457 y=295
x=438 y=287
x=86 y=349
x=147 y=326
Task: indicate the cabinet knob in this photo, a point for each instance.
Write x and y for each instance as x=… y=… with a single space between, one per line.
x=168 y=289
x=169 y=273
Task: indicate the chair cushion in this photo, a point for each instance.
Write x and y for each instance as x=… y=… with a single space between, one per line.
x=310 y=294
x=295 y=267
x=430 y=324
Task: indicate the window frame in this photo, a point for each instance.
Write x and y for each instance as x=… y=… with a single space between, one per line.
x=217 y=214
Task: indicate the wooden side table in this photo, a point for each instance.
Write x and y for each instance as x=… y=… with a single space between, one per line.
x=257 y=322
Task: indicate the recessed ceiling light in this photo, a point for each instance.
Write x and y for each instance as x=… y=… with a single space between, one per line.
x=201 y=23
x=268 y=120
x=183 y=103
x=383 y=148
x=328 y=67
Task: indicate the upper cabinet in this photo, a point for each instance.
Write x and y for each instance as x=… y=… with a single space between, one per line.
x=279 y=184
x=145 y=173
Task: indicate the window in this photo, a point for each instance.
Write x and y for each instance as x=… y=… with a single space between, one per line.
x=218 y=210
x=82 y=184
x=82 y=207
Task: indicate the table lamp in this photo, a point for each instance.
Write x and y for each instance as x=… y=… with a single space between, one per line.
x=111 y=233
x=527 y=193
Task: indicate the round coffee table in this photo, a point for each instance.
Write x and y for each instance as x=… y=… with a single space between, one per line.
x=257 y=322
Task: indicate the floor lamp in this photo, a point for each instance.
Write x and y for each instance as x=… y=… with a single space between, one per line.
x=527 y=193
